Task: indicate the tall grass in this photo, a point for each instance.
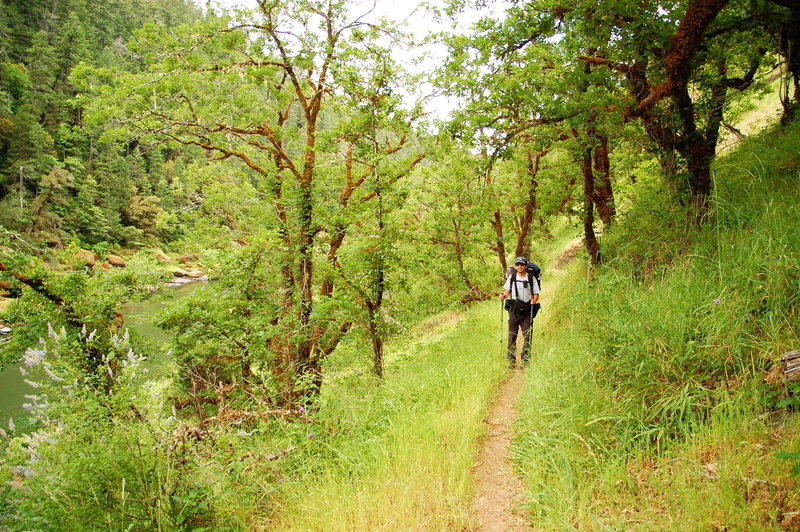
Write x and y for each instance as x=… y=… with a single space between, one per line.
x=653 y=373
x=397 y=455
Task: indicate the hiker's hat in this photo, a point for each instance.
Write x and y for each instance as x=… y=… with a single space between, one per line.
x=520 y=260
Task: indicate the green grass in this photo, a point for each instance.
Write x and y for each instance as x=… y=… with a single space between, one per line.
x=652 y=402
x=397 y=455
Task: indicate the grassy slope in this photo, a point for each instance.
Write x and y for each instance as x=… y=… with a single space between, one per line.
x=651 y=404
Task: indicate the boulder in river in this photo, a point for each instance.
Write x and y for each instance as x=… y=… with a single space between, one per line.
x=88 y=258
x=188 y=258
x=117 y=261
x=161 y=257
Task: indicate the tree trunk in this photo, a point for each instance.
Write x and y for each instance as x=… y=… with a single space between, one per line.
x=590 y=238
x=603 y=193
x=497 y=223
x=523 y=248
x=373 y=329
x=789 y=44
x=474 y=292
x=698 y=150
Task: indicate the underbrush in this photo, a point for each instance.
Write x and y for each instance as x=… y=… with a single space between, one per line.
x=372 y=456
x=657 y=378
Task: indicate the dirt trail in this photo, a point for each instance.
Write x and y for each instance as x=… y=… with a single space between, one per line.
x=499 y=490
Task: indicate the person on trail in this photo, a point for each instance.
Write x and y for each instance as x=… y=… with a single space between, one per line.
x=523 y=289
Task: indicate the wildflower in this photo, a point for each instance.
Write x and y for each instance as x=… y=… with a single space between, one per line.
x=33 y=357
x=310 y=436
x=50 y=373
x=358 y=373
x=301 y=410
x=23 y=471
x=716 y=301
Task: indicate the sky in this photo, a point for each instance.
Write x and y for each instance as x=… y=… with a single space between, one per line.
x=420 y=23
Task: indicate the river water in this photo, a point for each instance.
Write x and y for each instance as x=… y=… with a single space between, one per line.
x=139 y=316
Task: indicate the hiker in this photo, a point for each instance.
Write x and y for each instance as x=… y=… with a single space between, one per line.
x=523 y=289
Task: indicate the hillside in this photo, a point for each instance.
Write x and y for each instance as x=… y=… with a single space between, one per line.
x=659 y=388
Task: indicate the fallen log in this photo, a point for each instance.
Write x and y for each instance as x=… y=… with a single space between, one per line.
x=791 y=366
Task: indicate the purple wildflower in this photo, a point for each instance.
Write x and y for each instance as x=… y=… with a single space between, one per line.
x=716 y=301
x=310 y=436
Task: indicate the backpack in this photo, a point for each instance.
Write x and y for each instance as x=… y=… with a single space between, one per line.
x=533 y=269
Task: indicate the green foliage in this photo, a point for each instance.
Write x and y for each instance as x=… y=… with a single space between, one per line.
x=239 y=308
x=40 y=126
x=94 y=457
x=663 y=361
x=79 y=299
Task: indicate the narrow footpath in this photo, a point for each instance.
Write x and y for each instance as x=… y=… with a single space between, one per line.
x=499 y=490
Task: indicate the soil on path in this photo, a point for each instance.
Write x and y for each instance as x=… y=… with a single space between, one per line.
x=499 y=490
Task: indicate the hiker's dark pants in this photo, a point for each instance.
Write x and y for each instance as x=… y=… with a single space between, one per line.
x=519 y=319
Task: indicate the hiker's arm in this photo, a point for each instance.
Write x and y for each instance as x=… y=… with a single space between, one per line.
x=504 y=295
x=535 y=299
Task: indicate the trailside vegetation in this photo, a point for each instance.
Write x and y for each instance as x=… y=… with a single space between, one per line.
x=659 y=381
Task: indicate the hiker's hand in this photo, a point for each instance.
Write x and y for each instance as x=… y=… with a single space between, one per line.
x=502 y=297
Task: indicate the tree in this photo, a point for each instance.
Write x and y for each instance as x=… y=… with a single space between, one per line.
x=712 y=50
x=257 y=89
x=377 y=136
x=526 y=93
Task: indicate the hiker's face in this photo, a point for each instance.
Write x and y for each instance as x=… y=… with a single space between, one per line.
x=520 y=267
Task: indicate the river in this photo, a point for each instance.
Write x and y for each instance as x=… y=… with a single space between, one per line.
x=139 y=316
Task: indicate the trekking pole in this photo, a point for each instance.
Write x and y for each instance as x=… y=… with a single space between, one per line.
x=501 y=326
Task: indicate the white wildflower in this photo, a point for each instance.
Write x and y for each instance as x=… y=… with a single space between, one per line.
x=23 y=371
x=33 y=357
x=51 y=332
x=92 y=335
x=11 y=426
x=52 y=375
x=32 y=384
x=3 y=434
x=23 y=471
